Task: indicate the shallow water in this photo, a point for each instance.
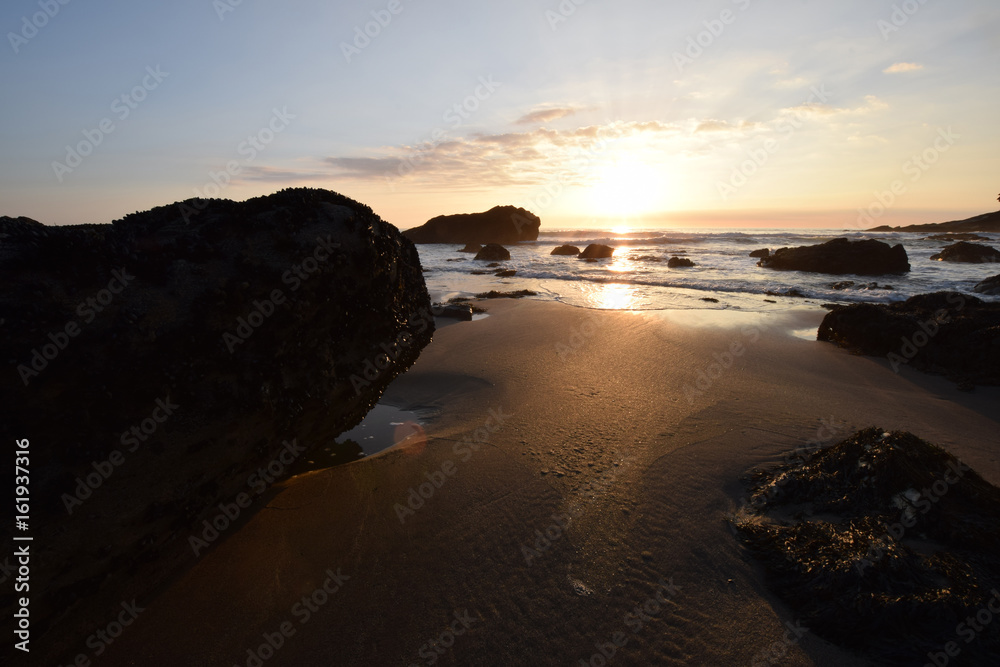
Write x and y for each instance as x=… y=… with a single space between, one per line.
x=634 y=279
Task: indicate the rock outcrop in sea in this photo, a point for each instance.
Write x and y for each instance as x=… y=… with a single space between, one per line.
x=168 y=367
x=493 y=252
x=970 y=253
x=841 y=256
x=947 y=333
x=566 y=250
x=597 y=251
x=505 y=225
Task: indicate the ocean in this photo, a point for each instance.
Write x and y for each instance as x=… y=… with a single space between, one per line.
x=637 y=277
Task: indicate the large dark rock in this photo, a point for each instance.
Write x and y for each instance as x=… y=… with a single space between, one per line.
x=989 y=286
x=493 y=253
x=597 y=251
x=840 y=256
x=501 y=224
x=471 y=247
x=158 y=364
x=679 y=263
x=567 y=250
x=947 y=333
x=760 y=254
x=971 y=253
x=883 y=543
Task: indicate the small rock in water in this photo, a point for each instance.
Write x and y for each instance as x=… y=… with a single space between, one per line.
x=679 y=263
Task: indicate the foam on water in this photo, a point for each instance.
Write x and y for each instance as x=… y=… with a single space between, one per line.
x=637 y=277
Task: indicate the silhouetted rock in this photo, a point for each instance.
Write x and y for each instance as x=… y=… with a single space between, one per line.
x=840 y=256
x=456 y=311
x=493 y=294
x=597 y=251
x=184 y=348
x=882 y=542
x=850 y=284
x=565 y=250
x=471 y=247
x=493 y=253
x=987 y=222
x=972 y=253
x=791 y=292
x=679 y=263
x=947 y=333
x=989 y=286
x=501 y=225
x=506 y=273
x=763 y=252
x=955 y=237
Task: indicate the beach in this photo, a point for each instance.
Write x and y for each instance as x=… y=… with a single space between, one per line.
x=567 y=503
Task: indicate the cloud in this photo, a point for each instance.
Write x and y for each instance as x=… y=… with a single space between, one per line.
x=713 y=125
x=527 y=158
x=545 y=115
x=898 y=68
x=872 y=104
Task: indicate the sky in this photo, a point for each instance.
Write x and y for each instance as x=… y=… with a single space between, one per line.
x=589 y=113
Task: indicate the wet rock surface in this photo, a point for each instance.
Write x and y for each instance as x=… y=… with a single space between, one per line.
x=841 y=256
x=970 y=253
x=184 y=350
x=989 y=286
x=883 y=543
x=947 y=333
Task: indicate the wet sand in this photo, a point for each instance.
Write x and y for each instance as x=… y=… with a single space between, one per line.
x=576 y=482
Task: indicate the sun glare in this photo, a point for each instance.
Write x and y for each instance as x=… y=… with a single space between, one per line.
x=626 y=189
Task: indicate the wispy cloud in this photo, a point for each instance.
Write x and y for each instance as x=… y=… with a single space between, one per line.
x=479 y=160
x=714 y=125
x=872 y=104
x=899 y=68
x=545 y=115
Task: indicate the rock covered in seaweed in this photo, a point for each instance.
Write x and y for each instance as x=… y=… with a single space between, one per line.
x=185 y=349
x=882 y=543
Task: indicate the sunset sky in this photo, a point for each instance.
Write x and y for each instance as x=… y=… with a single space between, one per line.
x=732 y=112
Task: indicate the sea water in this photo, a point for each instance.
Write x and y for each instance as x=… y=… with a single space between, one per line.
x=637 y=277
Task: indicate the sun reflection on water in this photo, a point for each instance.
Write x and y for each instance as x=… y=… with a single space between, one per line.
x=612 y=296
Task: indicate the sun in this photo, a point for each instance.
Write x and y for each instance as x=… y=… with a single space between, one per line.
x=627 y=188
